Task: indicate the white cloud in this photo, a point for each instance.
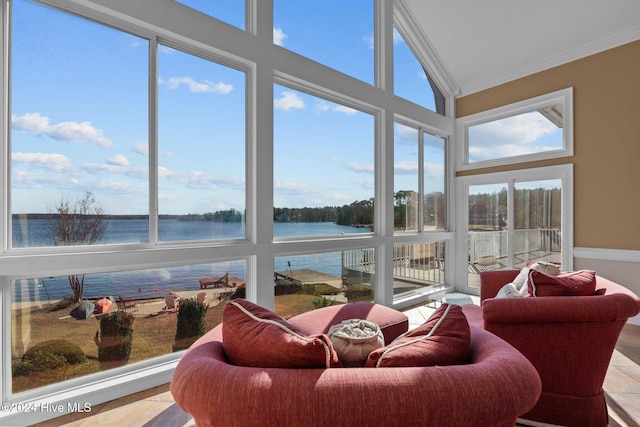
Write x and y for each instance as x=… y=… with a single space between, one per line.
x=114 y=168
x=204 y=180
x=278 y=36
x=406 y=135
x=360 y=167
x=200 y=180
x=367 y=184
x=369 y=40
x=74 y=132
x=511 y=136
x=344 y=110
x=397 y=37
x=288 y=101
x=327 y=106
x=25 y=179
x=118 y=160
x=405 y=168
x=50 y=162
x=523 y=128
x=141 y=147
x=206 y=86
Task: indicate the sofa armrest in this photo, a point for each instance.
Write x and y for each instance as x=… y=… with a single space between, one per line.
x=616 y=303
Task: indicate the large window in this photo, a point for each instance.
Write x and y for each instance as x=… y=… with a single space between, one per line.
x=418 y=206
x=159 y=165
x=201 y=148
x=54 y=339
x=79 y=122
x=306 y=282
x=323 y=166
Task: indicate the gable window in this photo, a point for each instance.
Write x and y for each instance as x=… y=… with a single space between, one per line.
x=535 y=129
x=409 y=74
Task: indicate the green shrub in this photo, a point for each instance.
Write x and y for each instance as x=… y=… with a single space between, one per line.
x=116 y=336
x=287 y=287
x=324 y=302
x=47 y=355
x=191 y=324
x=191 y=321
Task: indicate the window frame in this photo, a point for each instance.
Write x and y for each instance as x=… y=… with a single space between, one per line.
x=564 y=97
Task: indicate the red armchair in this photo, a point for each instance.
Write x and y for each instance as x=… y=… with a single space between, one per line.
x=569 y=339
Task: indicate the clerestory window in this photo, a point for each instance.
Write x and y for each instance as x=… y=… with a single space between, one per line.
x=534 y=129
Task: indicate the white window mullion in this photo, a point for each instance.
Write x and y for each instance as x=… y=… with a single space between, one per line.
x=511 y=216
x=153 y=141
x=421 y=179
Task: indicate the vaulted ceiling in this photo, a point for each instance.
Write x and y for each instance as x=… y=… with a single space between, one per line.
x=483 y=43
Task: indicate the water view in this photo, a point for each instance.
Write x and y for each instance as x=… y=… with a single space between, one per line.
x=158 y=282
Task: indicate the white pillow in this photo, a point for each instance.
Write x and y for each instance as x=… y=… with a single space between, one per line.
x=510 y=291
x=544 y=267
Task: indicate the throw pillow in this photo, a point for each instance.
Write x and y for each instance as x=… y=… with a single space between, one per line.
x=257 y=337
x=444 y=339
x=576 y=283
x=354 y=339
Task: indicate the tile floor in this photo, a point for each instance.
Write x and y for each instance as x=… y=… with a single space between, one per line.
x=156 y=408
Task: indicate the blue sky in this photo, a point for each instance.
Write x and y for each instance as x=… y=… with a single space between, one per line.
x=79 y=115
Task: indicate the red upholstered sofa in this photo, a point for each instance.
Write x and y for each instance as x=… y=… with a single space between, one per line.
x=493 y=389
x=569 y=339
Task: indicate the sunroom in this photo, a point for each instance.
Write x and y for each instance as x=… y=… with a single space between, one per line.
x=159 y=152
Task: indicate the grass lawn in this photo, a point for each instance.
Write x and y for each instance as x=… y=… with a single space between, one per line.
x=153 y=335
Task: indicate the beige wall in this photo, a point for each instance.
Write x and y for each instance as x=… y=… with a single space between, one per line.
x=606 y=92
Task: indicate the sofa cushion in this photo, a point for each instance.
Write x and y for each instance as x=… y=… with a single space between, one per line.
x=257 y=337
x=444 y=339
x=575 y=283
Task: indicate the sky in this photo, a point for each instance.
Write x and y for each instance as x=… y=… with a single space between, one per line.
x=79 y=115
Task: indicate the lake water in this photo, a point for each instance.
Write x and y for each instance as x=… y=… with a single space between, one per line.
x=158 y=282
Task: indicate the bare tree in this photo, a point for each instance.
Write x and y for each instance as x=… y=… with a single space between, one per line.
x=81 y=222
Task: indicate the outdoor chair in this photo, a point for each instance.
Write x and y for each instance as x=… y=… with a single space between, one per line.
x=170 y=302
x=124 y=305
x=202 y=297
